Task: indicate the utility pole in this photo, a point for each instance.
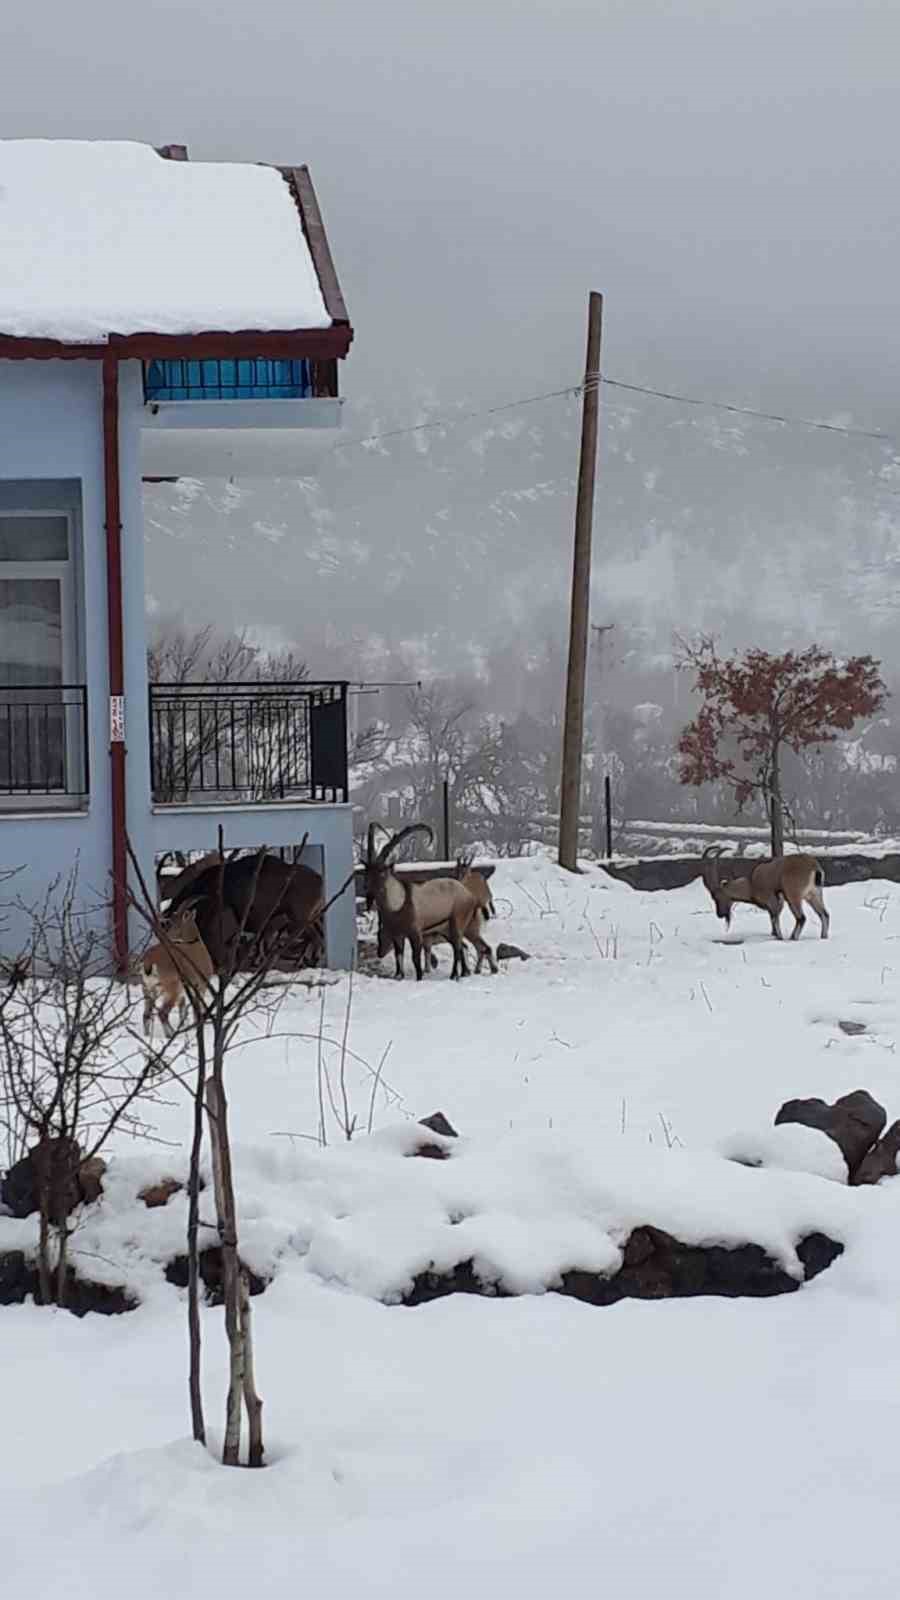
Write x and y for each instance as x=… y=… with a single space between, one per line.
x=573 y=730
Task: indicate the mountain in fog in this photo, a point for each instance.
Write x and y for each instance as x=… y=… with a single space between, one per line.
x=455 y=539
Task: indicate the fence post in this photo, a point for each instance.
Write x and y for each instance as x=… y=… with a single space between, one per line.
x=607 y=796
x=446 y=797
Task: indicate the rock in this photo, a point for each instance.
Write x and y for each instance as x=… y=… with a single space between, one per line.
x=881 y=1160
x=90 y=1179
x=159 y=1194
x=852 y=1029
x=438 y=1123
x=210 y=1274
x=854 y=1122
x=511 y=952
x=655 y=1266
x=19 y=1279
x=51 y=1162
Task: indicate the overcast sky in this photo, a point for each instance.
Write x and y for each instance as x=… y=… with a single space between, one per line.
x=725 y=170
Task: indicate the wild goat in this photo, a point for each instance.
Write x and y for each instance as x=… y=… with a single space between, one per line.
x=260 y=898
x=479 y=888
x=796 y=879
x=440 y=908
x=173 y=969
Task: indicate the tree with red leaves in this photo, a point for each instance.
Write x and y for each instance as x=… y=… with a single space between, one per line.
x=755 y=705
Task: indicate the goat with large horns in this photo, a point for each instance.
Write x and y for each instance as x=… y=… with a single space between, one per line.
x=795 y=879
x=442 y=907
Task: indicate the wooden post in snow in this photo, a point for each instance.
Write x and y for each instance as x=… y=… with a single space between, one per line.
x=573 y=730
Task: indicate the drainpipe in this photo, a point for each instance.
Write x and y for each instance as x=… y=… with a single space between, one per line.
x=113 y=525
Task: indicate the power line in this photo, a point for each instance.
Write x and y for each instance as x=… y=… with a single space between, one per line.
x=747 y=411
x=462 y=416
x=631 y=388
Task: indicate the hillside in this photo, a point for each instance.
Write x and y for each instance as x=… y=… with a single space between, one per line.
x=459 y=538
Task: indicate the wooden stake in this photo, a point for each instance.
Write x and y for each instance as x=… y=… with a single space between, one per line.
x=218 y=1136
x=573 y=732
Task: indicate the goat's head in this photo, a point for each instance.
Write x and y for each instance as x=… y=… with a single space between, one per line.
x=711 y=872
x=180 y=927
x=378 y=863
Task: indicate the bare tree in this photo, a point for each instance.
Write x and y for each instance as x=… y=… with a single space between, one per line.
x=220 y=1007
x=72 y=1069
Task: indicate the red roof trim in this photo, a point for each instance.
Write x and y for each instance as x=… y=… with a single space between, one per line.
x=319 y=344
x=301 y=186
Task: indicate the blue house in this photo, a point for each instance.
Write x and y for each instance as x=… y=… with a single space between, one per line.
x=157 y=317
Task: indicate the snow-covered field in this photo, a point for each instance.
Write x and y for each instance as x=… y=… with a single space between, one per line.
x=707 y=1448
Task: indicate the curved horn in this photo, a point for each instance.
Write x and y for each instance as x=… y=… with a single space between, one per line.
x=397 y=839
x=710 y=870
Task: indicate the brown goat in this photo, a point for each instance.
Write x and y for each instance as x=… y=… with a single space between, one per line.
x=174 y=970
x=413 y=911
x=257 y=896
x=795 y=879
x=471 y=933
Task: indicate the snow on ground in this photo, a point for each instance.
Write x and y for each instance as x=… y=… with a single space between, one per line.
x=706 y=1447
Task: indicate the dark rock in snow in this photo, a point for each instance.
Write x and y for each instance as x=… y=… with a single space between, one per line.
x=53 y=1162
x=438 y=1123
x=655 y=1267
x=851 y=1028
x=511 y=952
x=881 y=1160
x=854 y=1122
x=159 y=1194
x=90 y=1178
x=210 y=1274
x=19 y=1279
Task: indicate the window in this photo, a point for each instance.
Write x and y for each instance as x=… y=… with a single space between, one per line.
x=42 y=704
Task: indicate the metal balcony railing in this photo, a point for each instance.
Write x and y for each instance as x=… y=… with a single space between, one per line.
x=248 y=743
x=254 y=379
x=44 y=741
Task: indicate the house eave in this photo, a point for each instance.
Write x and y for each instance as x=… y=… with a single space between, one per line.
x=318 y=344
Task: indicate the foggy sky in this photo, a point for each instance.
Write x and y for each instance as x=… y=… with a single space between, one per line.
x=725 y=170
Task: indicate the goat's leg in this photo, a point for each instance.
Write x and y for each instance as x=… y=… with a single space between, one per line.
x=164 y=1018
x=818 y=904
x=774 y=909
x=415 y=942
x=485 y=953
x=148 y=1016
x=460 y=964
x=398 y=958
x=799 y=918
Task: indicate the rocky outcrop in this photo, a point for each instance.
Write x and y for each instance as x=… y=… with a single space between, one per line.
x=56 y=1167
x=854 y=1122
x=210 y=1264
x=881 y=1161
x=656 y=1266
x=19 y=1279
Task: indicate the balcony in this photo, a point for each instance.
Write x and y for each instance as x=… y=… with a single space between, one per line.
x=214 y=744
x=43 y=746
x=255 y=416
x=259 y=379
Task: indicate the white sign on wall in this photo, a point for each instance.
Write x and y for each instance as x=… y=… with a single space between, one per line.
x=117 y=719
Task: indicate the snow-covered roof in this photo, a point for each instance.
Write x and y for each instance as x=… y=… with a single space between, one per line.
x=101 y=238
